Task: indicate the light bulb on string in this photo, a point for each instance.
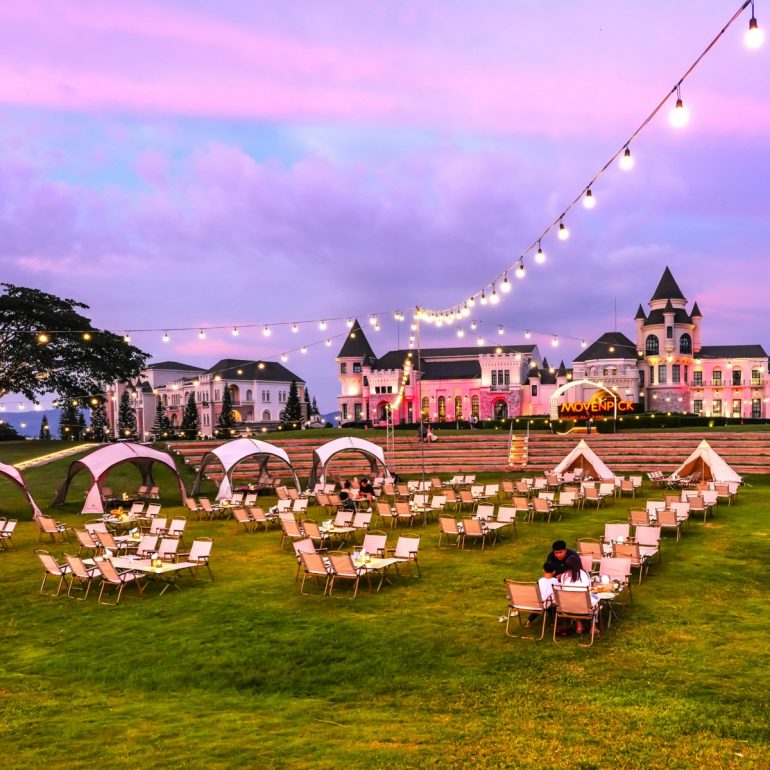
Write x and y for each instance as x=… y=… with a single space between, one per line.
x=235 y=331
x=589 y=201
x=527 y=334
x=679 y=116
x=583 y=344
x=555 y=341
x=322 y=325
x=500 y=330
x=166 y=338
x=563 y=231
x=520 y=270
x=473 y=326
x=266 y=331
x=480 y=341
x=754 y=35
x=465 y=311
x=540 y=255
x=201 y=335
x=461 y=332
x=127 y=338
x=42 y=338
x=303 y=349
x=506 y=285
x=294 y=328
x=284 y=357
x=483 y=299
x=494 y=298
x=471 y=301
x=627 y=160
x=328 y=343
x=349 y=323
x=372 y=320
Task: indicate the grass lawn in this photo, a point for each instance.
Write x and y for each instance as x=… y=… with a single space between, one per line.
x=246 y=672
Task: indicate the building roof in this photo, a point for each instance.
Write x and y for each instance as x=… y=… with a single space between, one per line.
x=174 y=366
x=696 y=312
x=655 y=318
x=640 y=313
x=623 y=348
x=394 y=359
x=667 y=288
x=263 y=371
x=732 y=351
x=451 y=370
x=356 y=345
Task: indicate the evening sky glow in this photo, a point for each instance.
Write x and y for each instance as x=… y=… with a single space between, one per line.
x=182 y=163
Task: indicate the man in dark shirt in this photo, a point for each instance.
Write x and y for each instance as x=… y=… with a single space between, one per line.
x=558 y=557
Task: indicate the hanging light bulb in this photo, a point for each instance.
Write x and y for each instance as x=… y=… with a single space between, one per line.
x=473 y=326
x=322 y=325
x=471 y=301
x=42 y=338
x=235 y=331
x=583 y=344
x=589 y=201
x=506 y=285
x=377 y=326
x=87 y=336
x=266 y=331
x=520 y=271
x=500 y=330
x=165 y=337
x=284 y=357
x=540 y=256
x=480 y=341
x=494 y=297
x=372 y=319
x=555 y=341
x=466 y=310
x=527 y=334
x=303 y=349
x=483 y=299
x=413 y=327
x=349 y=323
x=563 y=232
x=201 y=335
x=328 y=343
x=127 y=338
x=754 y=35
x=627 y=160
x=461 y=332
x=679 y=116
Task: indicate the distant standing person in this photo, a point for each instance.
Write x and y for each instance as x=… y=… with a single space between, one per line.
x=474 y=421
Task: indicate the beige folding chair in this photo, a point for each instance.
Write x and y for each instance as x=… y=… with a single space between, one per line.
x=405 y=551
x=314 y=566
x=525 y=598
x=636 y=518
x=6 y=534
x=290 y=530
x=118 y=580
x=668 y=519
x=51 y=568
x=592 y=547
x=85 y=541
x=199 y=556
x=302 y=546
x=522 y=507
x=167 y=550
x=630 y=551
x=575 y=604
x=474 y=528
x=404 y=512
x=507 y=515
x=147 y=546
x=542 y=507
x=79 y=572
x=242 y=519
x=51 y=529
x=375 y=542
x=341 y=567
x=449 y=527
x=258 y=517
x=313 y=531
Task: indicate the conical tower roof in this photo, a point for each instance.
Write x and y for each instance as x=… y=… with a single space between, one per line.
x=356 y=345
x=667 y=288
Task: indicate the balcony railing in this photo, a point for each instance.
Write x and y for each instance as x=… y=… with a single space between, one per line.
x=500 y=388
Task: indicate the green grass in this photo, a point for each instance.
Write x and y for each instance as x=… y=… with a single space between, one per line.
x=245 y=672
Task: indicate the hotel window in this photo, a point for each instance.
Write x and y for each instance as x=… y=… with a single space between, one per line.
x=756 y=408
x=356 y=368
x=669 y=332
x=736 y=407
x=685 y=344
x=676 y=373
x=494 y=378
x=344 y=411
x=475 y=406
x=641 y=379
x=736 y=376
x=686 y=373
x=216 y=395
x=652 y=375
x=507 y=377
x=409 y=412
x=356 y=410
x=716 y=378
x=441 y=409
x=376 y=389
x=697 y=405
x=534 y=390
x=458 y=407
x=343 y=368
x=697 y=379
x=756 y=376
x=425 y=409
x=249 y=396
x=652 y=345
x=716 y=407
x=265 y=416
x=662 y=378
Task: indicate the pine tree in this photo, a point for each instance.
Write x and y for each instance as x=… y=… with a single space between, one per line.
x=68 y=419
x=161 y=426
x=226 y=419
x=308 y=408
x=191 y=423
x=314 y=408
x=100 y=425
x=293 y=410
x=82 y=427
x=126 y=417
x=45 y=429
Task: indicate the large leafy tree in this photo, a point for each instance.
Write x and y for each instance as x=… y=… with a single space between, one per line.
x=191 y=423
x=72 y=358
x=126 y=416
x=226 y=419
x=292 y=412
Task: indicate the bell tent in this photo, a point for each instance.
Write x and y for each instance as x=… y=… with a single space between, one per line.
x=583 y=457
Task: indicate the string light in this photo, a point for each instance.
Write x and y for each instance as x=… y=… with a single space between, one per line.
x=235 y=331
x=500 y=330
x=266 y=331
x=583 y=344
x=42 y=338
x=679 y=116
x=494 y=298
x=506 y=285
x=473 y=326
x=87 y=336
x=527 y=334
x=563 y=231
x=483 y=299
x=754 y=35
x=328 y=343
x=555 y=341
x=201 y=335
x=480 y=341
x=589 y=201
x=166 y=338
x=627 y=160
x=540 y=256
x=520 y=271
x=461 y=332
x=127 y=338
x=349 y=323
x=284 y=357
x=303 y=349
x=322 y=325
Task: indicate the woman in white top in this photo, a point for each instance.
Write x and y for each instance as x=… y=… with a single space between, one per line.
x=575 y=577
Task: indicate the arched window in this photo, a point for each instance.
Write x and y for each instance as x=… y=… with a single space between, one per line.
x=458 y=407
x=266 y=416
x=685 y=344
x=716 y=377
x=501 y=410
x=249 y=396
x=475 y=406
x=652 y=346
x=425 y=409
x=441 y=409
x=610 y=371
x=165 y=400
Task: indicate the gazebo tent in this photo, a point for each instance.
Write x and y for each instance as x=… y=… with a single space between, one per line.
x=14 y=474
x=236 y=451
x=705 y=463
x=325 y=453
x=582 y=456
x=101 y=461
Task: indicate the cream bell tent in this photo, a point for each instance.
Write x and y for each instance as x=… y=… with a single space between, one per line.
x=101 y=461
x=324 y=454
x=583 y=457
x=14 y=474
x=234 y=452
x=705 y=464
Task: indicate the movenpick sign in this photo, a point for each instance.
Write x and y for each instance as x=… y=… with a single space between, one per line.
x=600 y=405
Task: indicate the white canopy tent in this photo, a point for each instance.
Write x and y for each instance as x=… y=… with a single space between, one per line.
x=707 y=465
x=101 y=461
x=230 y=454
x=324 y=454
x=14 y=474
x=582 y=456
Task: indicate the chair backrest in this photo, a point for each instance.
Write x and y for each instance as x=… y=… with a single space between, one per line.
x=668 y=517
x=153 y=509
x=282 y=492
x=544 y=495
x=521 y=503
x=286 y=516
x=303 y=546
x=469 y=479
x=106 y=540
x=541 y=505
x=77 y=566
x=402 y=508
x=362 y=520
x=343 y=518
x=157 y=526
x=388 y=489
x=108 y=571
x=205 y=503
x=626 y=551
x=46 y=524
x=96 y=526
x=638 y=517
x=191 y=504
x=148 y=544
x=709 y=497
x=407 y=546
x=200 y=550
x=450 y=496
x=466 y=496
x=647 y=536
x=607 y=488
x=591 y=492
x=284 y=505
x=177 y=526
x=311 y=529
x=438 y=501
x=342 y=564
x=448 y=525
x=137 y=507
x=250 y=499
x=375 y=542
x=485 y=512
x=697 y=504
x=85 y=539
x=322 y=499
x=168 y=546
x=257 y=514
x=523 y=596
x=615 y=567
x=330 y=487
x=587 y=560
x=507 y=486
x=241 y=516
x=616 y=531
x=383 y=509
x=472 y=527
x=421 y=499
x=589 y=545
x=572 y=601
x=290 y=527
x=435 y=482
x=540 y=483
x=313 y=563
x=299 y=505
x=626 y=485
x=506 y=514
x=522 y=488
x=50 y=565
x=237 y=498
x=566 y=498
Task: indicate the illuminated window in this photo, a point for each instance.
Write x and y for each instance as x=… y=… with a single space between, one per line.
x=685 y=344
x=652 y=346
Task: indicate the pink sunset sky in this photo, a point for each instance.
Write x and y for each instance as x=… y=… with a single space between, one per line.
x=187 y=163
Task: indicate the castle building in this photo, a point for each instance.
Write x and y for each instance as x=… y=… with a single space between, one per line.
x=667 y=369
x=258 y=392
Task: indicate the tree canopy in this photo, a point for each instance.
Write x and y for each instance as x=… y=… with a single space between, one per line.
x=73 y=358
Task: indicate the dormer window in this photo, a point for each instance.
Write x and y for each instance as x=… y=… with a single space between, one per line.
x=343 y=368
x=356 y=368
